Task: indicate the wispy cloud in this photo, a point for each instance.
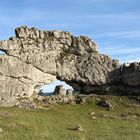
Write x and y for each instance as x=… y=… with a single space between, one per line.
x=128 y=59
x=123 y=53
x=120 y=50
x=122 y=34
x=110 y=25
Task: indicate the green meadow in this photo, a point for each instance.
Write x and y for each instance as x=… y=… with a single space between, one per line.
x=54 y=123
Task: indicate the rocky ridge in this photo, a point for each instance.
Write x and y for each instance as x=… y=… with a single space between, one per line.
x=34 y=58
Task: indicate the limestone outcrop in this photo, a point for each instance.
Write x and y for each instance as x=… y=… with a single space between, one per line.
x=34 y=58
x=131 y=74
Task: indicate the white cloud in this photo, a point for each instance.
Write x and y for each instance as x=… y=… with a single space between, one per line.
x=130 y=60
x=123 y=34
x=118 y=50
x=123 y=53
x=61 y=19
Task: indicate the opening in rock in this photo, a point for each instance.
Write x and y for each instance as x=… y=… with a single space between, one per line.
x=50 y=88
x=2 y=52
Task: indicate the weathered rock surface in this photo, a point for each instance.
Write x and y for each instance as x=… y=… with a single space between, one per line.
x=69 y=92
x=106 y=104
x=60 y=90
x=18 y=79
x=131 y=74
x=34 y=58
x=54 y=99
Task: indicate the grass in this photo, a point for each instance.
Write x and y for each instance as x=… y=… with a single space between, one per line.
x=53 y=123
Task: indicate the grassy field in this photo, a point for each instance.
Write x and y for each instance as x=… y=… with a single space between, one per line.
x=53 y=123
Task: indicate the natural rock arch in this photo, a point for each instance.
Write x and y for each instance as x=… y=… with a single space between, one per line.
x=49 y=89
x=34 y=57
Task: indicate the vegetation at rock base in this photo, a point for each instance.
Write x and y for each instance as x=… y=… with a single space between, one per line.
x=123 y=123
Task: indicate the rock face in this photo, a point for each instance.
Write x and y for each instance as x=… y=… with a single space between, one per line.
x=34 y=58
x=131 y=74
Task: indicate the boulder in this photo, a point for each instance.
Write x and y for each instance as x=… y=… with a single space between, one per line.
x=107 y=104
x=78 y=128
x=60 y=90
x=69 y=92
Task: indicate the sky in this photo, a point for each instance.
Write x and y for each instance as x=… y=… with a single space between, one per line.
x=49 y=88
x=113 y=24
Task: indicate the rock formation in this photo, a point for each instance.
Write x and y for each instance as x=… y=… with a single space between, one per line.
x=60 y=90
x=34 y=58
x=131 y=74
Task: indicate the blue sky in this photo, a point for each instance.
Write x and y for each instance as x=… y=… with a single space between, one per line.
x=49 y=88
x=113 y=24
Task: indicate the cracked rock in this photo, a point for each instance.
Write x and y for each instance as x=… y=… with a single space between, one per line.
x=34 y=57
